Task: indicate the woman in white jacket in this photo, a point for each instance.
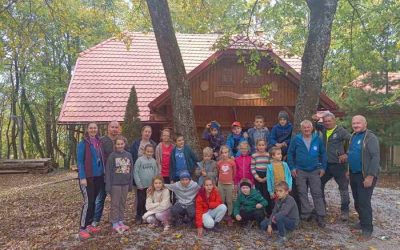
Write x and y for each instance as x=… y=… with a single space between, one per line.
x=158 y=204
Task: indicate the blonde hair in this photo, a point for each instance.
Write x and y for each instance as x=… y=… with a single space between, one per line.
x=151 y=189
x=224 y=147
x=244 y=143
x=207 y=151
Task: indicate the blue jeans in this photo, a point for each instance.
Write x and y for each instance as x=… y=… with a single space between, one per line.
x=282 y=224
x=99 y=204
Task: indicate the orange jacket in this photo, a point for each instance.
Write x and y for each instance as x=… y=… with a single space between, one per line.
x=203 y=204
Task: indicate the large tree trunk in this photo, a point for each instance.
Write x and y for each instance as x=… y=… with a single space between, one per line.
x=174 y=68
x=322 y=13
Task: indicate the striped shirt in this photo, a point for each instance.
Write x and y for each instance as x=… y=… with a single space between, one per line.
x=259 y=162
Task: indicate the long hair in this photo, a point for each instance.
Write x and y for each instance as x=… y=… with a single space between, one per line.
x=151 y=189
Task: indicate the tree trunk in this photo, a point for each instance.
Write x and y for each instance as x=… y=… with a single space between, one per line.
x=178 y=84
x=322 y=13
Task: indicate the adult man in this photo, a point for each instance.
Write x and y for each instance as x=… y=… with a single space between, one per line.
x=363 y=156
x=107 y=144
x=335 y=140
x=307 y=161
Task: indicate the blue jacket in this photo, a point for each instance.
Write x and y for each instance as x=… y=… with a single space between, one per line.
x=230 y=142
x=97 y=163
x=270 y=177
x=300 y=158
x=252 y=140
x=134 y=150
x=191 y=162
x=281 y=134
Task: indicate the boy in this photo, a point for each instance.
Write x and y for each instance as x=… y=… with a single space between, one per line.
x=249 y=205
x=185 y=191
x=285 y=215
x=234 y=138
x=257 y=132
x=182 y=159
x=212 y=134
x=281 y=133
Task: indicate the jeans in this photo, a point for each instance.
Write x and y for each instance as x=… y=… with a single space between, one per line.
x=214 y=215
x=255 y=215
x=141 y=203
x=338 y=172
x=282 y=224
x=179 y=212
x=99 y=204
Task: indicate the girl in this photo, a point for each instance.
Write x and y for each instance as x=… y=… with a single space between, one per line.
x=91 y=177
x=119 y=177
x=158 y=204
x=243 y=164
x=226 y=175
x=163 y=154
x=207 y=167
x=277 y=171
x=144 y=171
x=259 y=163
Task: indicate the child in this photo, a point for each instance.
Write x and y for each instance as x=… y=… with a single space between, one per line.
x=249 y=205
x=259 y=163
x=277 y=171
x=144 y=171
x=185 y=191
x=235 y=138
x=243 y=165
x=285 y=215
x=182 y=159
x=207 y=167
x=226 y=176
x=158 y=204
x=212 y=134
x=163 y=154
x=257 y=132
x=281 y=133
x=119 y=180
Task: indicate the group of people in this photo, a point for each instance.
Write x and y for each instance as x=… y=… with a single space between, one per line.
x=258 y=177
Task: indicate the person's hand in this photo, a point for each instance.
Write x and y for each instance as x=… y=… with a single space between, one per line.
x=272 y=195
x=216 y=154
x=258 y=205
x=238 y=217
x=264 y=179
x=273 y=219
x=258 y=178
x=294 y=173
x=368 y=181
x=83 y=182
x=208 y=125
x=284 y=144
x=343 y=158
x=203 y=173
x=278 y=145
x=200 y=232
x=315 y=117
x=245 y=135
x=321 y=173
x=269 y=230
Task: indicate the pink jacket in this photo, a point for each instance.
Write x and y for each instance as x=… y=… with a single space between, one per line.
x=243 y=169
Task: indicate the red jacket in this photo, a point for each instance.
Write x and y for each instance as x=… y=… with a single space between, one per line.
x=203 y=205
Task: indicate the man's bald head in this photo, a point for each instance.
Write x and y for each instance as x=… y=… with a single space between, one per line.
x=113 y=129
x=359 y=123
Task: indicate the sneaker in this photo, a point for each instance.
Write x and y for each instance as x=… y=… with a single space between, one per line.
x=356 y=226
x=123 y=226
x=84 y=235
x=93 y=229
x=217 y=227
x=118 y=229
x=365 y=236
x=95 y=223
x=166 y=228
x=321 y=221
x=344 y=216
x=229 y=221
x=139 y=221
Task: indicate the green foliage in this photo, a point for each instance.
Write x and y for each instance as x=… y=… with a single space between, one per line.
x=265 y=92
x=132 y=125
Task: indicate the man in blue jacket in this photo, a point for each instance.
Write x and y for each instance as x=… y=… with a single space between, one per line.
x=307 y=160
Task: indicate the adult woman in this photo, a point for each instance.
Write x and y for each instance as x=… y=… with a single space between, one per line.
x=91 y=177
x=137 y=148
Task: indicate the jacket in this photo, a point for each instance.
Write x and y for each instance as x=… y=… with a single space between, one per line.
x=370 y=154
x=203 y=204
x=286 y=208
x=252 y=139
x=281 y=134
x=243 y=169
x=190 y=159
x=157 y=203
x=271 y=180
x=134 y=150
x=230 y=142
x=88 y=169
x=158 y=155
x=300 y=158
x=211 y=171
x=248 y=202
x=215 y=142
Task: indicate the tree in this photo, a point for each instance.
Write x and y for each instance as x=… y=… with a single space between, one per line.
x=178 y=84
x=322 y=13
x=132 y=125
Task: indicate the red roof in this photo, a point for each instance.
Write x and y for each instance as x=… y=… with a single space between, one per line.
x=104 y=74
x=364 y=82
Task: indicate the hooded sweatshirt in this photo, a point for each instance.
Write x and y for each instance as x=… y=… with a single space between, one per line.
x=145 y=169
x=248 y=202
x=119 y=170
x=280 y=134
x=185 y=195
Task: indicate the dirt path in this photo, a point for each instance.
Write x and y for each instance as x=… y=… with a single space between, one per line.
x=42 y=212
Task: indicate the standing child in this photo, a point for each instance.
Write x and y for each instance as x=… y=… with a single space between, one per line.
x=163 y=154
x=259 y=163
x=281 y=133
x=277 y=172
x=257 y=132
x=212 y=134
x=243 y=165
x=182 y=159
x=285 y=215
x=207 y=167
x=234 y=138
x=226 y=176
x=145 y=169
x=119 y=180
x=158 y=204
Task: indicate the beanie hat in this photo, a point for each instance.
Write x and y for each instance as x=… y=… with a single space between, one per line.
x=284 y=115
x=215 y=124
x=184 y=174
x=245 y=183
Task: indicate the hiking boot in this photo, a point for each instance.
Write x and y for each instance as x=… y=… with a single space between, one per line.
x=356 y=226
x=217 y=227
x=92 y=229
x=344 y=216
x=321 y=221
x=365 y=236
x=84 y=235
